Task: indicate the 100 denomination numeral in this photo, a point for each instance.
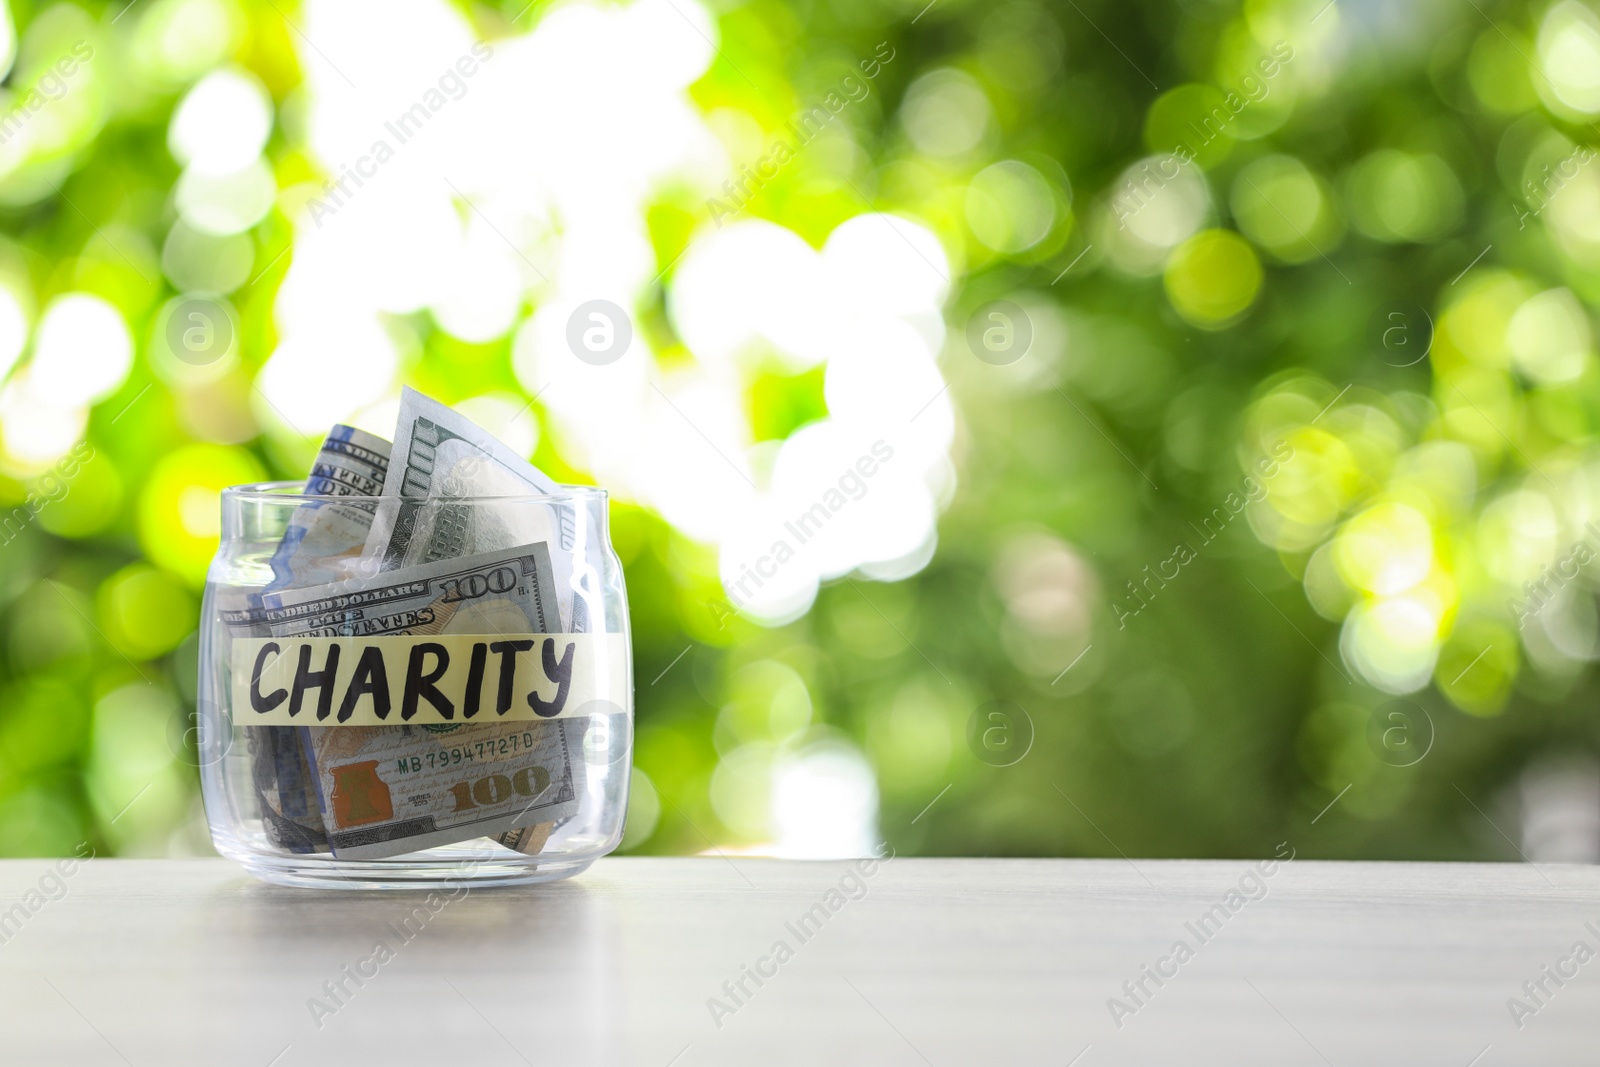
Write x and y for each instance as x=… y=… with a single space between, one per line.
x=494 y=789
x=472 y=586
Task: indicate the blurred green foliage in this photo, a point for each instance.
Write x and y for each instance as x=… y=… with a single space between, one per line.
x=1307 y=423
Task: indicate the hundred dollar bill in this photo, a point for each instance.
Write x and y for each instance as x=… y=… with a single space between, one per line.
x=387 y=790
x=528 y=839
x=322 y=543
x=325 y=539
x=286 y=796
x=290 y=810
x=438 y=501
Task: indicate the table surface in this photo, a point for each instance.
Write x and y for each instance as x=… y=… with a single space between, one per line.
x=917 y=961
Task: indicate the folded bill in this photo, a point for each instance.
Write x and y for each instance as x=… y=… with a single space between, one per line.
x=284 y=790
x=326 y=538
x=323 y=542
x=454 y=490
x=388 y=790
x=392 y=790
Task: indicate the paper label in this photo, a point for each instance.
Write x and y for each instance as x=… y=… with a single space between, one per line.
x=425 y=680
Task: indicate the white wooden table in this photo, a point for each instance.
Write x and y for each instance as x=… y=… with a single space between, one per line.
x=936 y=962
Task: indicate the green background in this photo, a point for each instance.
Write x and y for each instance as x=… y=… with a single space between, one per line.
x=1376 y=276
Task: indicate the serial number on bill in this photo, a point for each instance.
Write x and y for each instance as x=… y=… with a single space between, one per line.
x=454 y=757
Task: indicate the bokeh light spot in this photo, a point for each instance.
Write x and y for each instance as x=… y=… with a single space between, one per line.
x=1010 y=207
x=144 y=612
x=180 y=508
x=1213 y=278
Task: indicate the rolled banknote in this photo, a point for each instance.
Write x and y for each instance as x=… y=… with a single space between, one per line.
x=289 y=807
x=389 y=790
x=285 y=793
x=323 y=542
x=326 y=538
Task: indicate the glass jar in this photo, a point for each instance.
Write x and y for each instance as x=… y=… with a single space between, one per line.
x=386 y=723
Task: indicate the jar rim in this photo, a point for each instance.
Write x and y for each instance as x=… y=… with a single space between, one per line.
x=284 y=492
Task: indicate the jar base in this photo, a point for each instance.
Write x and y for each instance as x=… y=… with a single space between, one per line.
x=421 y=871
